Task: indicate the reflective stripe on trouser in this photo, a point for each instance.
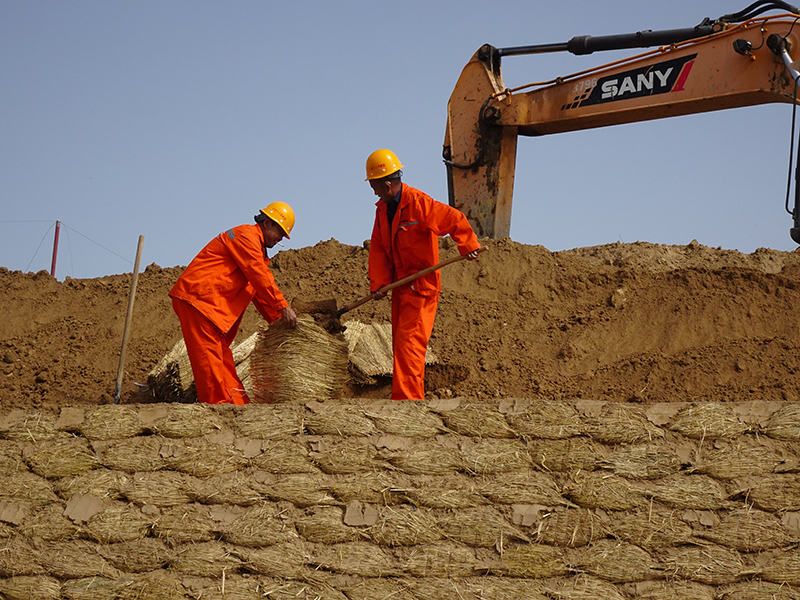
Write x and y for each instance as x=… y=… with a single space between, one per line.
x=412 y=324
x=210 y=355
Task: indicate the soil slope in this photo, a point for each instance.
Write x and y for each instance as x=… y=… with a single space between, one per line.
x=622 y=322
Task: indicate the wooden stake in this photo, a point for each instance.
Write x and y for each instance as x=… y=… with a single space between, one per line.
x=128 y=319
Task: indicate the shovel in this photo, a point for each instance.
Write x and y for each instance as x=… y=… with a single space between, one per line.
x=327 y=315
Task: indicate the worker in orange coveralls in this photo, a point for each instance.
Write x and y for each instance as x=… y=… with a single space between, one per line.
x=404 y=241
x=211 y=295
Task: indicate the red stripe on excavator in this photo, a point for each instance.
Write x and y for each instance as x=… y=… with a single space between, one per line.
x=683 y=77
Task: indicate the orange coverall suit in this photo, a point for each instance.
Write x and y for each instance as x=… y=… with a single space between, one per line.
x=210 y=298
x=407 y=245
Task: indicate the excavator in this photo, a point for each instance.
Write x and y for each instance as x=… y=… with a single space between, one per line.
x=740 y=59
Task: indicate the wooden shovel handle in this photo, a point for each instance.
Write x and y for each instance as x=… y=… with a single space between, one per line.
x=403 y=281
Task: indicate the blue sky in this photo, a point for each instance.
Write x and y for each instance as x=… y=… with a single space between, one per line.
x=178 y=119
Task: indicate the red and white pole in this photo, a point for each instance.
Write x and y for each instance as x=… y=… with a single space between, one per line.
x=55 y=250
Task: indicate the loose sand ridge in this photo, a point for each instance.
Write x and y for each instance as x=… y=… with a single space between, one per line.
x=621 y=322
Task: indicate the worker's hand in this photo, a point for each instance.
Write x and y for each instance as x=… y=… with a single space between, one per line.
x=378 y=295
x=474 y=254
x=289 y=317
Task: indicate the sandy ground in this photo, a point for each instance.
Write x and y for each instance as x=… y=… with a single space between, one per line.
x=621 y=322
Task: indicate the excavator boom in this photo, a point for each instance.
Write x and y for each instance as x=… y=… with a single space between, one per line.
x=714 y=66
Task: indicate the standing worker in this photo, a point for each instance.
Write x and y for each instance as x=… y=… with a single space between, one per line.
x=211 y=295
x=405 y=239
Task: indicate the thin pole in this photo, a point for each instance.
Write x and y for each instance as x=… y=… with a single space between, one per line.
x=128 y=319
x=55 y=250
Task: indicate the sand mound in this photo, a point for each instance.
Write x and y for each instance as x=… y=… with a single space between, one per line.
x=619 y=322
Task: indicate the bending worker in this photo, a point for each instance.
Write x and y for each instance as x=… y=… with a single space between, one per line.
x=404 y=241
x=211 y=295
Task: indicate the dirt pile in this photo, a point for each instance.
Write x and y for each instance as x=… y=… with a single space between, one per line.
x=620 y=322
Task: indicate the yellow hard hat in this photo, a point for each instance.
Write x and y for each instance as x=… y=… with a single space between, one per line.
x=282 y=214
x=382 y=163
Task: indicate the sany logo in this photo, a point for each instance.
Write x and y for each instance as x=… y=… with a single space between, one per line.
x=643 y=81
x=667 y=76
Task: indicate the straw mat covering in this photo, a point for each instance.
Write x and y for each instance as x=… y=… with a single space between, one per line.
x=369 y=346
x=364 y=499
x=304 y=363
x=171 y=379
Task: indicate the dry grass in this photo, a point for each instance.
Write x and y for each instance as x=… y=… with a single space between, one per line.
x=141 y=555
x=680 y=590
x=649 y=528
x=96 y=588
x=567 y=527
x=238 y=488
x=440 y=559
x=347 y=455
x=171 y=380
x=753 y=590
x=337 y=418
x=739 y=458
x=207 y=559
x=49 y=524
x=269 y=422
x=642 y=461
x=34 y=427
x=599 y=490
x=528 y=487
x=301 y=490
x=187 y=420
x=118 y=523
x=186 y=523
x=260 y=525
x=781 y=568
x=477 y=420
x=380 y=588
x=26 y=487
x=686 y=491
x=60 y=457
x=773 y=493
x=407 y=419
x=485 y=456
x=568 y=454
x=749 y=530
x=132 y=455
x=111 y=422
x=30 y=588
x=784 y=424
x=708 y=421
x=288 y=559
x=162 y=488
x=618 y=423
x=546 y=420
x=283 y=455
x=711 y=564
x=581 y=587
x=202 y=458
x=325 y=525
x=482 y=526
x=426 y=457
x=101 y=483
x=75 y=559
x=403 y=526
x=18 y=558
x=354 y=558
x=614 y=561
x=449 y=491
x=530 y=560
x=305 y=363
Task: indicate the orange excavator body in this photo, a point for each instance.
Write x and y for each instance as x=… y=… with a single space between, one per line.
x=727 y=66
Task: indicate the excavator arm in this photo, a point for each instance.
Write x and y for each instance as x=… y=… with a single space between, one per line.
x=716 y=65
